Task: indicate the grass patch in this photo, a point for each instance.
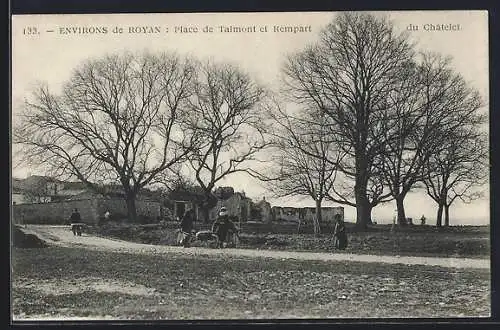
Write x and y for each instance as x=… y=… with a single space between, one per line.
x=224 y=287
x=459 y=241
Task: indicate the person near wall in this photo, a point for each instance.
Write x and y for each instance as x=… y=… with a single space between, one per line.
x=422 y=220
x=76 y=225
x=339 y=233
x=187 y=226
x=107 y=216
x=222 y=225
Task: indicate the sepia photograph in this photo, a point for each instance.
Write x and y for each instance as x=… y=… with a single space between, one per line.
x=250 y=166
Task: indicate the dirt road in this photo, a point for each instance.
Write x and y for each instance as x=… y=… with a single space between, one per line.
x=62 y=236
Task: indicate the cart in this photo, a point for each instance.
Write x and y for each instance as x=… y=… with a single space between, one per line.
x=208 y=238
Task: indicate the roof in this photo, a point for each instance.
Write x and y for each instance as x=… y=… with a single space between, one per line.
x=31 y=183
x=188 y=196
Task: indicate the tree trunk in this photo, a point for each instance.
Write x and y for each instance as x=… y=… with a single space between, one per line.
x=317 y=219
x=446 y=215
x=439 y=218
x=363 y=206
x=401 y=210
x=131 y=209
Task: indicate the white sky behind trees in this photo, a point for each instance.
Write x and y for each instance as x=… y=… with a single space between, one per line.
x=51 y=57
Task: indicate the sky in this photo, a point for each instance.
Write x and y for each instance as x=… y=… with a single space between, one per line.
x=41 y=55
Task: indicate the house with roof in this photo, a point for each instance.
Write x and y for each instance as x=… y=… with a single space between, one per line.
x=237 y=204
x=265 y=210
x=35 y=189
x=183 y=199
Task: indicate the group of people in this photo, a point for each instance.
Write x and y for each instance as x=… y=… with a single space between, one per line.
x=76 y=221
x=221 y=227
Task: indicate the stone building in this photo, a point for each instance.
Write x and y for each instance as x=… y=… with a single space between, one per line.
x=182 y=200
x=237 y=204
x=265 y=210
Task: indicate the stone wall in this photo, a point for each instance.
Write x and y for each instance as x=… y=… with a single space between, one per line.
x=305 y=214
x=55 y=212
x=118 y=208
x=91 y=210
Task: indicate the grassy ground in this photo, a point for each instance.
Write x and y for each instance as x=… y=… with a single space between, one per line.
x=472 y=242
x=57 y=281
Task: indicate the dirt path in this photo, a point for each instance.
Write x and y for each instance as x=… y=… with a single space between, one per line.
x=62 y=236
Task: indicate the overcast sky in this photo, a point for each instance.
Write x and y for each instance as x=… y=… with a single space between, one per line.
x=51 y=56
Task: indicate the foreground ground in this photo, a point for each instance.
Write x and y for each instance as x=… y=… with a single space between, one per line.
x=101 y=278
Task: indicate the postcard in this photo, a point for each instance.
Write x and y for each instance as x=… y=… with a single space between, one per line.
x=274 y=165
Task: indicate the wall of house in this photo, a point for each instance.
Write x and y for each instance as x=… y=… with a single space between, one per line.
x=91 y=210
x=265 y=211
x=286 y=214
x=117 y=206
x=327 y=213
x=236 y=205
x=305 y=214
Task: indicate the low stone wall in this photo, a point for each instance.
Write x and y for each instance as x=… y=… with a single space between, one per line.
x=147 y=211
x=55 y=212
x=283 y=228
x=91 y=210
x=258 y=227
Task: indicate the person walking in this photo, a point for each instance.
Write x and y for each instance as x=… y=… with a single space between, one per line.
x=339 y=233
x=187 y=227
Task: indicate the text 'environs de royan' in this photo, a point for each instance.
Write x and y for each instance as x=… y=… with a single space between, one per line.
x=185 y=29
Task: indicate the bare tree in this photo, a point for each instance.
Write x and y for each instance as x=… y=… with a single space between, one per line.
x=302 y=153
x=460 y=169
x=431 y=99
x=349 y=75
x=226 y=112
x=117 y=120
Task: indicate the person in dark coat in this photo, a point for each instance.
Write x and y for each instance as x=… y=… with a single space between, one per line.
x=222 y=225
x=339 y=233
x=187 y=226
x=76 y=220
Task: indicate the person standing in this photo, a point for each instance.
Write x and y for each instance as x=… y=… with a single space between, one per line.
x=187 y=226
x=339 y=233
x=422 y=220
x=76 y=220
x=222 y=225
